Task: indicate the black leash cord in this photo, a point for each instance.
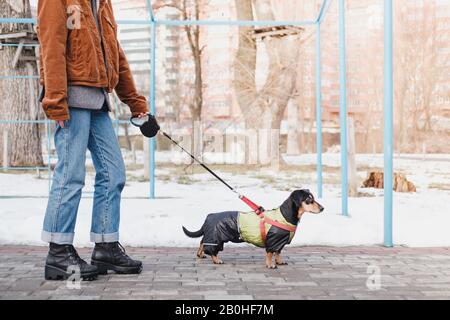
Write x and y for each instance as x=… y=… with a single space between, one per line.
x=199 y=162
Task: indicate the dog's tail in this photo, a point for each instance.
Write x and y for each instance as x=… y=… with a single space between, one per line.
x=196 y=234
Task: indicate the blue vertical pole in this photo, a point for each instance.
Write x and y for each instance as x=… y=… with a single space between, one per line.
x=388 y=122
x=319 y=111
x=49 y=158
x=152 y=106
x=343 y=107
x=116 y=114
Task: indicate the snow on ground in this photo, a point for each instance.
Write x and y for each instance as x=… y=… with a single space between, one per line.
x=420 y=219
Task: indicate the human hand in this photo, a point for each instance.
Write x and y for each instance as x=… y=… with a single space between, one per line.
x=61 y=123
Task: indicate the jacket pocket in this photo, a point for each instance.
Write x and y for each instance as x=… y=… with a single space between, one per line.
x=112 y=26
x=112 y=49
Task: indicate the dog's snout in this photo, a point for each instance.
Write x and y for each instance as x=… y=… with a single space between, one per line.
x=321 y=209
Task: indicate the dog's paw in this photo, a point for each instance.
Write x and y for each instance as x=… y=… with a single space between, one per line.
x=216 y=260
x=282 y=263
x=271 y=266
x=201 y=256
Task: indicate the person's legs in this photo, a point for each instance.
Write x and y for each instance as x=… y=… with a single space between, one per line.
x=68 y=180
x=110 y=177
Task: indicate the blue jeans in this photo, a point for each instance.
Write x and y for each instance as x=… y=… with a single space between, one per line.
x=93 y=130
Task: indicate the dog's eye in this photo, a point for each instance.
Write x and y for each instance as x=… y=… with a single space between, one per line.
x=309 y=200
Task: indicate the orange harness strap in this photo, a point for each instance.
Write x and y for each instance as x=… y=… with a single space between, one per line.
x=264 y=220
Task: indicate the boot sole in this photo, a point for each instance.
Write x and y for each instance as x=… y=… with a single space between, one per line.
x=54 y=273
x=103 y=268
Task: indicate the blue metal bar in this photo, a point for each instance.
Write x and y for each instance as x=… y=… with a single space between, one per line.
x=388 y=122
x=135 y=22
x=321 y=18
x=24 y=168
x=34 y=21
x=150 y=10
x=24 y=121
x=116 y=111
x=343 y=108
x=152 y=108
x=319 y=112
x=322 y=10
x=19 y=44
x=47 y=121
x=152 y=165
x=242 y=23
x=19 y=77
x=49 y=167
x=18 y=20
x=191 y=22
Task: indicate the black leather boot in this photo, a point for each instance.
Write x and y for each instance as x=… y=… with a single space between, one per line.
x=62 y=256
x=112 y=256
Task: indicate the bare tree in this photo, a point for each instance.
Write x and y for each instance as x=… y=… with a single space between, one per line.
x=190 y=10
x=18 y=96
x=264 y=108
x=418 y=72
x=245 y=67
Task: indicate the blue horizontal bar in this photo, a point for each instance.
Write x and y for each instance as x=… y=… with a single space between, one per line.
x=19 y=77
x=244 y=23
x=17 y=20
x=24 y=168
x=24 y=121
x=127 y=46
x=34 y=21
x=50 y=121
x=19 y=44
x=137 y=22
x=189 y=22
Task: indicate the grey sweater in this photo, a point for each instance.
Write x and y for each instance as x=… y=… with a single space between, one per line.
x=89 y=97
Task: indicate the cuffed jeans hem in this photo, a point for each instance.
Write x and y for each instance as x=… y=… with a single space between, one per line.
x=58 y=238
x=104 y=237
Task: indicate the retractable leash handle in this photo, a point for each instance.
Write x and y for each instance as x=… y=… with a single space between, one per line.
x=150 y=129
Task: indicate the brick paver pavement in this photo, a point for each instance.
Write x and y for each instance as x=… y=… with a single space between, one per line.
x=312 y=273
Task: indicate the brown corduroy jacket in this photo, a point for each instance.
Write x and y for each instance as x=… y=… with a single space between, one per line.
x=71 y=54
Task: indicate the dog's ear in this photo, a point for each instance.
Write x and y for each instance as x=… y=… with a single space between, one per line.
x=290 y=206
x=299 y=196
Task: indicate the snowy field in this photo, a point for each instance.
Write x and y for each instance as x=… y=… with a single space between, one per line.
x=420 y=219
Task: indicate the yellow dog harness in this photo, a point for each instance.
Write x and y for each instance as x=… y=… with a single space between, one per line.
x=254 y=227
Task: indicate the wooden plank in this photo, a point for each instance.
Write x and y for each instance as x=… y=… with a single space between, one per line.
x=27 y=58
x=32 y=94
x=17 y=54
x=279 y=31
x=13 y=35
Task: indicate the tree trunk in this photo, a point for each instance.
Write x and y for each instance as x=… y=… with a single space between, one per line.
x=18 y=99
x=264 y=109
x=284 y=55
x=293 y=132
x=196 y=136
x=352 y=169
x=245 y=67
